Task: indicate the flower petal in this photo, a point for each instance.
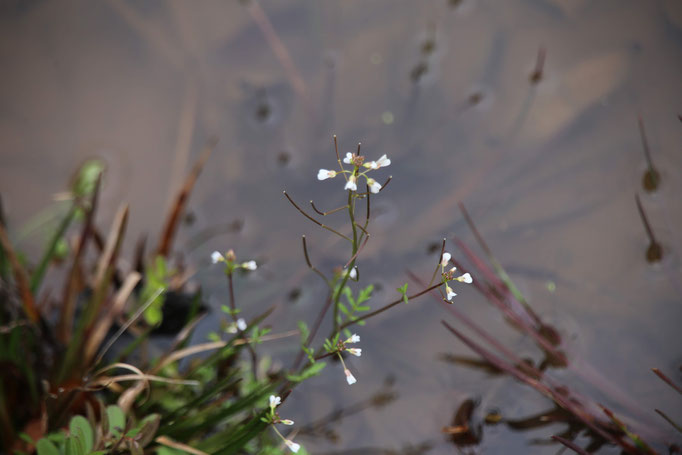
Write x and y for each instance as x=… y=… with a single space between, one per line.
x=349 y=158
x=374 y=186
x=350 y=184
x=357 y=352
x=450 y=293
x=353 y=339
x=292 y=445
x=216 y=257
x=274 y=401
x=324 y=174
x=446 y=258
x=466 y=278
x=383 y=161
x=250 y=265
x=350 y=379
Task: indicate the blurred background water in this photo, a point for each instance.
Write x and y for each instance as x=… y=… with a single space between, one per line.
x=548 y=169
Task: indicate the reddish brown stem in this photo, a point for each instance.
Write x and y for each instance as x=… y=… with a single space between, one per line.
x=537 y=73
x=310 y=265
x=386 y=307
x=313 y=219
x=645 y=144
x=571 y=445
x=645 y=221
x=667 y=380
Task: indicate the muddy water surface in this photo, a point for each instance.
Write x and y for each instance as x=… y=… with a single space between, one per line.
x=548 y=169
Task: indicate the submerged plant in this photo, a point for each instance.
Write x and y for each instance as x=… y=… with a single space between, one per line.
x=580 y=413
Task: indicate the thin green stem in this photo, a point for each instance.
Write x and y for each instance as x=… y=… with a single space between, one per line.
x=338 y=158
x=233 y=306
x=39 y=273
x=354 y=242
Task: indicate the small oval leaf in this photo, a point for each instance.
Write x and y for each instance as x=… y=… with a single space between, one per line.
x=80 y=428
x=45 y=447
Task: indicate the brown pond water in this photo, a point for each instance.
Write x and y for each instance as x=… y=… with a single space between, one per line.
x=548 y=171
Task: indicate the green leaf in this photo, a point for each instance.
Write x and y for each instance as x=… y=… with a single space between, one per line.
x=45 y=447
x=310 y=352
x=153 y=314
x=163 y=450
x=156 y=278
x=55 y=249
x=81 y=429
x=309 y=372
x=84 y=183
x=403 y=292
x=26 y=438
x=305 y=332
x=117 y=421
x=132 y=433
x=349 y=295
x=74 y=446
x=365 y=294
x=344 y=310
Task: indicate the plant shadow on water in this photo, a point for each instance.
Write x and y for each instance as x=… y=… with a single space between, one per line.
x=547 y=117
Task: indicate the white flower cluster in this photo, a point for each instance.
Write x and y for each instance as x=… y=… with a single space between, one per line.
x=235 y=327
x=229 y=259
x=353 y=351
x=274 y=402
x=352 y=176
x=450 y=275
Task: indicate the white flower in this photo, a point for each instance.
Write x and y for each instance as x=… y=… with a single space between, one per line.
x=350 y=184
x=450 y=292
x=374 y=186
x=241 y=325
x=353 y=273
x=353 y=339
x=216 y=257
x=349 y=158
x=250 y=265
x=349 y=377
x=357 y=352
x=274 y=401
x=292 y=445
x=324 y=174
x=446 y=258
x=286 y=422
x=381 y=162
x=466 y=278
